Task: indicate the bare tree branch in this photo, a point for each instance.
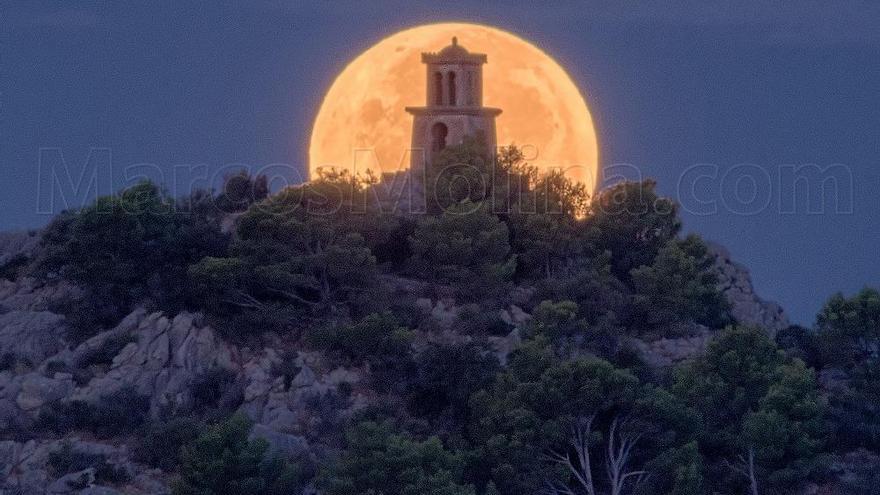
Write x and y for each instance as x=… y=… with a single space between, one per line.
x=293 y=296
x=746 y=467
x=557 y=489
x=618 y=457
x=620 y=445
x=579 y=442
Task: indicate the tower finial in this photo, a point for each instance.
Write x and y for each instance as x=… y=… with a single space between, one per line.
x=455 y=41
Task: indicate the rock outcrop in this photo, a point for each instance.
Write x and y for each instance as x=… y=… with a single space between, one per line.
x=163 y=362
x=670 y=351
x=747 y=308
x=18 y=244
x=162 y=359
x=29 y=294
x=25 y=469
x=31 y=336
x=290 y=408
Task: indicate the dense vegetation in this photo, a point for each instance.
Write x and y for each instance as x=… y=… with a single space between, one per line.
x=572 y=410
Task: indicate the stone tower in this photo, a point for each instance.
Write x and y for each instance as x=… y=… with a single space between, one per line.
x=454 y=107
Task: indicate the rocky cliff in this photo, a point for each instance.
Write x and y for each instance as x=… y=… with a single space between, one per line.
x=149 y=355
x=293 y=397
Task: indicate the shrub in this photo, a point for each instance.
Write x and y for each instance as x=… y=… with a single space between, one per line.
x=380 y=460
x=215 y=389
x=325 y=411
x=557 y=320
x=240 y=190
x=382 y=233
x=474 y=320
x=88 y=315
x=223 y=460
x=69 y=460
x=802 y=343
x=528 y=408
x=678 y=286
x=589 y=283
x=376 y=337
x=160 y=443
x=849 y=331
x=108 y=350
x=631 y=222
x=115 y=414
x=848 y=338
x=546 y=226
x=377 y=341
x=563 y=326
x=467 y=245
x=459 y=173
x=14 y=266
x=289 y=260
x=10 y=361
x=128 y=248
x=7 y=361
x=286 y=367
x=80 y=376
x=446 y=377
x=753 y=399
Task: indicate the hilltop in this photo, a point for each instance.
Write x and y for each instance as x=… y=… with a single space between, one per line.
x=316 y=341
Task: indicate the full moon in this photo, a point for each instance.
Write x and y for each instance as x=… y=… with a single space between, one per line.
x=362 y=123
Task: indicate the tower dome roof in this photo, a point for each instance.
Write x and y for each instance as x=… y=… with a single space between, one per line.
x=454 y=50
x=454 y=53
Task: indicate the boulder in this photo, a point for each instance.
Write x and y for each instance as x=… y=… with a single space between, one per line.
x=23 y=467
x=278 y=417
x=305 y=378
x=37 y=390
x=11 y=417
x=445 y=312
x=833 y=379
x=515 y=316
x=505 y=345
x=72 y=483
x=424 y=305
x=405 y=286
x=259 y=377
x=341 y=375
x=30 y=294
x=150 y=482
x=127 y=326
x=854 y=472
x=31 y=335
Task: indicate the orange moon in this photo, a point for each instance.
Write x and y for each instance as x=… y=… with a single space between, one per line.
x=362 y=123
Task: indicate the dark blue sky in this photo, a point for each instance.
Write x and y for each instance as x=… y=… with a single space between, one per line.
x=722 y=105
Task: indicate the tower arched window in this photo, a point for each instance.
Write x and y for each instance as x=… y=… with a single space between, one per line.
x=439 y=131
x=451 y=88
x=438 y=88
